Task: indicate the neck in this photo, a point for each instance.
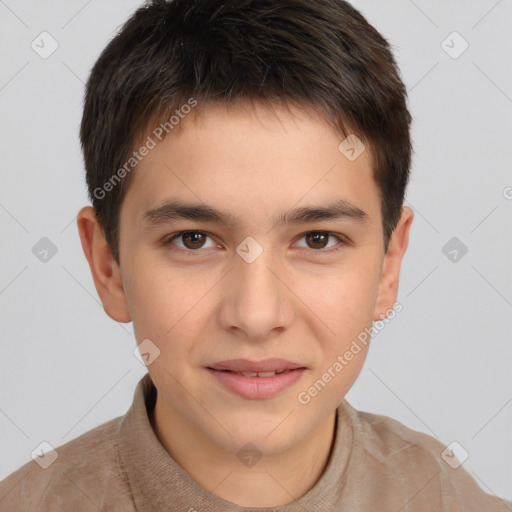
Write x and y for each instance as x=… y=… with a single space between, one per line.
x=276 y=480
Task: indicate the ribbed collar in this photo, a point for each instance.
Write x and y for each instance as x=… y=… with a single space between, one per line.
x=159 y=484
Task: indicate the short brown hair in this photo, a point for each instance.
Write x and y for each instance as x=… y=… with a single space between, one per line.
x=319 y=54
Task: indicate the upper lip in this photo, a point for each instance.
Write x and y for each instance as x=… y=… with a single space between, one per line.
x=246 y=365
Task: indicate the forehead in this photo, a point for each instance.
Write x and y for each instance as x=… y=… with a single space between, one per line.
x=251 y=161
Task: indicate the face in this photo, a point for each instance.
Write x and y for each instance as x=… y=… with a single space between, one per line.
x=240 y=276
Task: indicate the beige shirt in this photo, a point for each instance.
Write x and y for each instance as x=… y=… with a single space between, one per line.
x=377 y=464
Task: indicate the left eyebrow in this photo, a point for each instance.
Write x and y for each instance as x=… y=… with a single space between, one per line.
x=341 y=209
x=177 y=210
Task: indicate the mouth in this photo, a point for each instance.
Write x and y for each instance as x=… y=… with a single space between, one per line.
x=256 y=380
x=264 y=368
x=255 y=374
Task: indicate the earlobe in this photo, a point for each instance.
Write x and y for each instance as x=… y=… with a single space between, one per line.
x=104 y=269
x=388 y=287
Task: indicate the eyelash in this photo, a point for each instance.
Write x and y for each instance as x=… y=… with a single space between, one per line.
x=342 y=241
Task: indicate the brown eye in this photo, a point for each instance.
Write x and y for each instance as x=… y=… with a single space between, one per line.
x=319 y=241
x=190 y=240
x=193 y=239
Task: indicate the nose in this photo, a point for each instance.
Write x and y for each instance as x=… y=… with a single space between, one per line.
x=257 y=305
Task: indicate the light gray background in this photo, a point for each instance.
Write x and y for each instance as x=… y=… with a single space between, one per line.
x=442 y=366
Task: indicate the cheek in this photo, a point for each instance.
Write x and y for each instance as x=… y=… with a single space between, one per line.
x=346 y=306
x=346 y=302
x=153 y=299
x=170 y=308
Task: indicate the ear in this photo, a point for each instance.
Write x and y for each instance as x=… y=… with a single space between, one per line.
x=106 y=273
x=388 y=287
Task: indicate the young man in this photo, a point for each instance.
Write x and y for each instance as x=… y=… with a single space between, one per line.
x=247 y=163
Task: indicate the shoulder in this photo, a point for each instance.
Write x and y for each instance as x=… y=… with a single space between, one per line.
x=424 y=471
x=386 y=439
x=85 y=473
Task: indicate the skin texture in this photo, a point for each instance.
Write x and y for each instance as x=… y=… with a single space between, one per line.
x=200 y=302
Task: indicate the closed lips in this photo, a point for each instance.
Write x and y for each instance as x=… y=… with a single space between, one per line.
x=256 y=379
x=255 y=374
x=262 y=368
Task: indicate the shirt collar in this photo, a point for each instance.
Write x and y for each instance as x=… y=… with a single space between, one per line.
x=158 y=481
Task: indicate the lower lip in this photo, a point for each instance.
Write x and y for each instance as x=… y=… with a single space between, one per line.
x=257 y=388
